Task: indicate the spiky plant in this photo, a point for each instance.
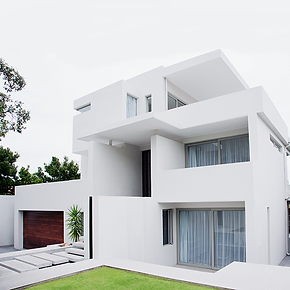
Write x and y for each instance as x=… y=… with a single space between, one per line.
x=75 y=222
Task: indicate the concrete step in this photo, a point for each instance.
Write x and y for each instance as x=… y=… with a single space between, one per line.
x=18 y=266
x=78 y=245
x=55 y=260
x=6 y=272
x=82 y=239
x=71 y=257
x=75 y=251
x=34 y=261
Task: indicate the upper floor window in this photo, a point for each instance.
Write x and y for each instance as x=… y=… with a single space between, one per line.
x=131 y=106
x=84 y=108
x=173 y=102
x=220 y=151
x=148 y=103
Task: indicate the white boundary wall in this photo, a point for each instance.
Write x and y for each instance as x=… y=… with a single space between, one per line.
x=7 y=220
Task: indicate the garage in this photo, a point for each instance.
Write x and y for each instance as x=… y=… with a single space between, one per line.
x=42 y=228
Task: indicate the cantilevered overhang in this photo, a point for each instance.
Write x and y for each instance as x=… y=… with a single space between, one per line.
x=138 y=130
x=206 y=76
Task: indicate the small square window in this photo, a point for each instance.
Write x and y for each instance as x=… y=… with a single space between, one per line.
x=167 y=220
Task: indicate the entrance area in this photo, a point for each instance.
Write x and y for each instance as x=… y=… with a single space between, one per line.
x=211 y=238
x=42 y=228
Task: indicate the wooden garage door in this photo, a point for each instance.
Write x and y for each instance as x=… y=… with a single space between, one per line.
x=42 y=228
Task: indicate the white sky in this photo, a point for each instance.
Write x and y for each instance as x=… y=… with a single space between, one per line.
x=66 y=49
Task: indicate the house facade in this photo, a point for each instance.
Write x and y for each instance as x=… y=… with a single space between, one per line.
x=180 y=165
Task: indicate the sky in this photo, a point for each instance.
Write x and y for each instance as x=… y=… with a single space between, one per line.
x=66 y=49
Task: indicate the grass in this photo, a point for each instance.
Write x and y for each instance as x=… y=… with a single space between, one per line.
x=110 y=278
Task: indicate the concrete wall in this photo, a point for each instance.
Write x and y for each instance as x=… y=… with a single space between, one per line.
x=131 y=228
x=115 y=170
x=7 y=220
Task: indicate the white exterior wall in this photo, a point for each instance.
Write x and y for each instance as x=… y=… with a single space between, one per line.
x=131 y=228
x=114 y=170
x=6 y=220
x=54 y=196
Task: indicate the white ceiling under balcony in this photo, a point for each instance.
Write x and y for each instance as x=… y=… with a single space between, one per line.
x=206 y=77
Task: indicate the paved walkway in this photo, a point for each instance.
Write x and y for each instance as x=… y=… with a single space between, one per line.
x=242 y=276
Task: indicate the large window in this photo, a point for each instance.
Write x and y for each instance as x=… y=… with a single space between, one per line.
x=131 y=106
x=212 y=238
x=173 y=102
x=167 y=221
x=220 y=151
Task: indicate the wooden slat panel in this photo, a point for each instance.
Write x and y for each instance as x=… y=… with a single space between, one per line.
x=42 y=228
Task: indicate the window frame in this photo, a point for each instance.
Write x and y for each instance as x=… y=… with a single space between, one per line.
x=176 y=100
x=133 y=97
x=147 y=103
x=169 y=237
x=275 y=143
x=218 y=140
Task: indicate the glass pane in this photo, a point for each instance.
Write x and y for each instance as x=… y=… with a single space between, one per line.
x=203 y=154
x=171 y=103
x=229 y=237
x=235 y=150
x=131 y=106
x=149 y=104
x=180 y=104
x=195 y=237
x=165 y=227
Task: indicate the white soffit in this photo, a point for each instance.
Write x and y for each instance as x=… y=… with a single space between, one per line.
x=206 y=76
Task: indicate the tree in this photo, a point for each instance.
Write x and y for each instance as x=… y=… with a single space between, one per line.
x=61 y=171
x=8 y=170
x=25 y=177
x=12 y=115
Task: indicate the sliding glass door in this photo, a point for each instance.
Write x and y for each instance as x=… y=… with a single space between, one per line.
x=212 y=238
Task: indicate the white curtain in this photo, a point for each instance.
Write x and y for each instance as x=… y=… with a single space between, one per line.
x=203 y=154
x=131 y=106
x=195 y=237
x=235 y=150
x=229 y=237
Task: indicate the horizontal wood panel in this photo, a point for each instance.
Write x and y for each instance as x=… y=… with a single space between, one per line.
x=42 y=228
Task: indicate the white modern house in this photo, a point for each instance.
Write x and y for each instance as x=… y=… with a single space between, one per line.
x=180 y=165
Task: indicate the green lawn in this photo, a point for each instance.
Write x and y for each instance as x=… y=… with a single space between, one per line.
x=110 y=278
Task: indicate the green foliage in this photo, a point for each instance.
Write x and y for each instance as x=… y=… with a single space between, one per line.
x=25 y=177
x=12 y=115
x=75 y=222
x=111 y=278
x=8 y=170
x=61 y=171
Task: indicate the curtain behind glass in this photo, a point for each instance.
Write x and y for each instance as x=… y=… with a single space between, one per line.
x=131 y=106
x=229 y=237
x=195 y=237
x=235 y=150
x=203 y=154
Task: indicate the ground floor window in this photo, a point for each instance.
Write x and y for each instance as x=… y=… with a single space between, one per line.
x=167 y=220
x=212 y=238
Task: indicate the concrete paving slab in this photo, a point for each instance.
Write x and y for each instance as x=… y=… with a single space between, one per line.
x=56 y=260
x=71 y=257
x=6 y=272
x=78 y=245
x=18 y=266
x=75 y=251
x=35 y=261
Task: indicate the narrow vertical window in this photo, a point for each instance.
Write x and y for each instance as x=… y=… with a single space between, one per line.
x=167 y=226
x=148 y=103
x=131 y=106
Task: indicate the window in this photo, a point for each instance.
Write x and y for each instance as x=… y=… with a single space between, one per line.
x=148 y=103
x=131 y=106
x=275 y=143
x=84 y=108
x=173 y=102
x=167 y=226
x=200 y=229
x=220 y=151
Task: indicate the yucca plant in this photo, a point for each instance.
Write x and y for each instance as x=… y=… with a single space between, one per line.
x=75 y=223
